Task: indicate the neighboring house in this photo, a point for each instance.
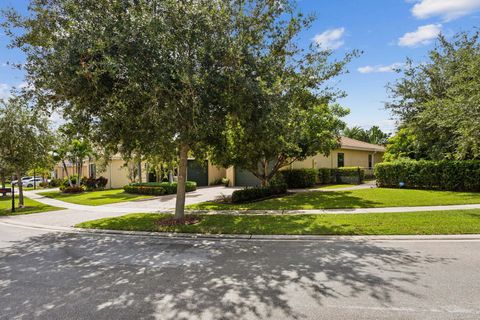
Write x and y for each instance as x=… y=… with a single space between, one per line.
x=352 y=153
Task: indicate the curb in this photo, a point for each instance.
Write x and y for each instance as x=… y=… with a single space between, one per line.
x=246 y=237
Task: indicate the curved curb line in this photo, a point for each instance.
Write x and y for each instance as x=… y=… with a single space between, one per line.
x=244 y=237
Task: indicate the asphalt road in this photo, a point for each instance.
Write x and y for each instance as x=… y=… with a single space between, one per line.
x=46 y=275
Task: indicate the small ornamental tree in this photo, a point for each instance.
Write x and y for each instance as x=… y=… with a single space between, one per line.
x=26 y=138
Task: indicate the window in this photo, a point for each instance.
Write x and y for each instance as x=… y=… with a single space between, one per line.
x=370 y=161
x=341 y=160
x=92 y=169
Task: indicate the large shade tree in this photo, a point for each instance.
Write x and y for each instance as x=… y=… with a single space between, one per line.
x=438 y=101
x=162 y=77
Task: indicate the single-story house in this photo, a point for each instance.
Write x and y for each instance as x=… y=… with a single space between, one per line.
x=352 y=153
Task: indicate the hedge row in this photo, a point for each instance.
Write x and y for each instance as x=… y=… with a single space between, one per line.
x=434 y=175
x=257 y=193
x=300 y=178
x=158 y=188
x=353 y=175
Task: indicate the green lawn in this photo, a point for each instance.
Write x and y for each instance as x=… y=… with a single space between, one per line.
x=336 y=186
x=95 y=198
x=31 y=206
x=439 y=222
x=362 y=198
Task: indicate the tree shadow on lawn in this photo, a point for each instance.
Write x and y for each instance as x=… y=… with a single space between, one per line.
x=322 y=200
x=120 y=277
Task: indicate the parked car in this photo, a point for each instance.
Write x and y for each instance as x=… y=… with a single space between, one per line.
x=15 y=182
x=32 y=182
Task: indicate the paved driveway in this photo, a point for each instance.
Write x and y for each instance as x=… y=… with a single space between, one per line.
x=74 y=276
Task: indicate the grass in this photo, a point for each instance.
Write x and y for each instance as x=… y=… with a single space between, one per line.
x=94 y=198
x=336 y=186
x=31 y=206
x=411 y=223
x=362 y=198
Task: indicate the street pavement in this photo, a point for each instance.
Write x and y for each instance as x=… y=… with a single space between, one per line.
x=53 y=275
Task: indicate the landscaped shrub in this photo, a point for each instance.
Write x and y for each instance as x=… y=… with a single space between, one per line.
x=433 y=175
x=92 y=184
x=354 y=175
x=167 y=187
x=327 y=175
x=55 y=183
x=300 y=178
x=73 y=179
x=102 y=182
x=74 y=189
x=257 y=193
x=220 y=182
x=43 y=184
x=153 y=191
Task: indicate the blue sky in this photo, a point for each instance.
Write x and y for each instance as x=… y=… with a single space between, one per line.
x=387 y=31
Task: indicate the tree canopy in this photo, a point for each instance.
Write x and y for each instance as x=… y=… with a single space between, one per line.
x=170 y=77
x=438 y=101
x=373 y=135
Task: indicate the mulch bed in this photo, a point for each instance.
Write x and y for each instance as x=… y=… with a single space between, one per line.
x=171 y=221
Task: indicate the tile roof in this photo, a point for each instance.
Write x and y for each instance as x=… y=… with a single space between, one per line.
x=349 y=143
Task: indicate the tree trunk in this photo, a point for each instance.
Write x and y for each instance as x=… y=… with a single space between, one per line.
x=140 y=172
x=66 y=172
x=20 y=190
x=170 y=172
x=3 y=182
x=182 y=178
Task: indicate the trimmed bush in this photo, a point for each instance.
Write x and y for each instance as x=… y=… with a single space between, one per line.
x=257 y=193
x=353 y=175
x=327 y=175
x=55 y=183
x=300 y=178
x=72 y=189
x=153 y=191
x=167 y=187
x=92 y=184
x=430 y=175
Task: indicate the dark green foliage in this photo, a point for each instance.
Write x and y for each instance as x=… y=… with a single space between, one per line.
x=257 y=193
x=373 y=135
x=148 y=190
x=158 y=188
x=92 y=184
x=432 y=175
x=352 y=175
x=438 y=101
x=74 y=189
x=73 y=179
x=54 y=183
x=327 y=175
x=300 y=178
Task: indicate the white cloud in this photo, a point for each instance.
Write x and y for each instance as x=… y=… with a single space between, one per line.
x=4 y=91
x=447 y=9
x=330 y=39
x=423 y=35
x=379 y=68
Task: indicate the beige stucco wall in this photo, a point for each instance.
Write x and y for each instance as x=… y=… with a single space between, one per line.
x=353 y=158
x=215 y=173
x=115 y=172
x=230 y=174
